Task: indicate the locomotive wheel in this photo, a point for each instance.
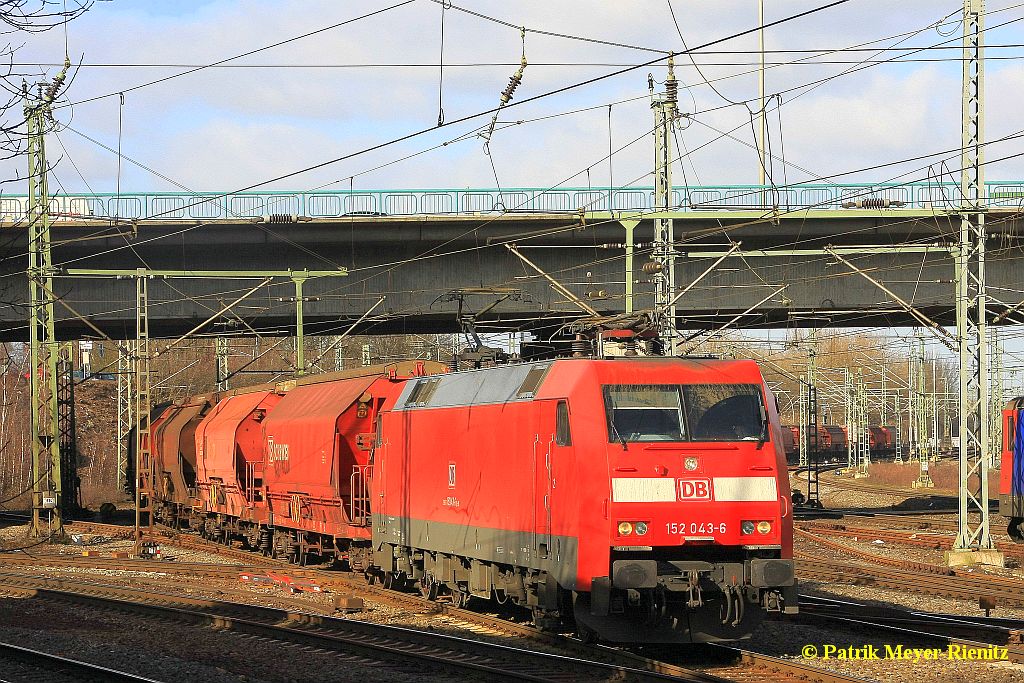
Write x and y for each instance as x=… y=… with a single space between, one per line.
x=428 y=586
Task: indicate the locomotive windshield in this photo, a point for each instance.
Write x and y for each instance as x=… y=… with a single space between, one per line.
x=686 y=412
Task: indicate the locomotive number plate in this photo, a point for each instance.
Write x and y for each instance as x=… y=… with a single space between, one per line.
x=694 y=528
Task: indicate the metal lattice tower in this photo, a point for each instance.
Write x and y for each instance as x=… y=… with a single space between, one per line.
x=850 y=413
x=920 y=417
x=67 y=441
x=144 y=474
x=809 y=408
x=43 y=345
x=996 y=408
x=221 y=351
x=339 y=354
x=973 y=509
x=663 y=255
x=802 y=449
x=125 y=409
x=863 y=443
x=921 y=401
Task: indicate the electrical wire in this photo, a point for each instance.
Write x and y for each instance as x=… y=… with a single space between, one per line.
x=241 y=55
x=540 y=32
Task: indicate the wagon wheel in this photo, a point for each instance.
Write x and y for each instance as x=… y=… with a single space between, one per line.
x=428 y=586
x=371 y=578
x=462 y=597
x=389 y=580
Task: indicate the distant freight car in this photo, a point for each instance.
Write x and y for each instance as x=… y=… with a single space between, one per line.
x=1011 y=474
x=837 y=439
x=634 y=500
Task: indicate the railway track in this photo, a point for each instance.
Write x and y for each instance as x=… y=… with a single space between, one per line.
x=433 y=652
x=924 y=536
x=739 y=664
x=914 y=577
x=748 y=666
x=23 y=665
x=944 y=629
x=867 y=486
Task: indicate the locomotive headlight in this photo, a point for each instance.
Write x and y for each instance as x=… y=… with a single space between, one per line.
x=625 y=528
x=640 y=528
x=690 y=464
x=764 y=527
x=747 y=527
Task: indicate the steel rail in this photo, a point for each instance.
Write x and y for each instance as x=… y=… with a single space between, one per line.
x=949 y=629
x=35 y=664
x=957 y=586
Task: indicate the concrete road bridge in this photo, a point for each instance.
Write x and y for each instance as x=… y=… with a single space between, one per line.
x=414 y=247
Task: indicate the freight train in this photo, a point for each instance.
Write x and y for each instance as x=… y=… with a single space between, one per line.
x=833 y=439
x=1011 y=473
x=631 y=499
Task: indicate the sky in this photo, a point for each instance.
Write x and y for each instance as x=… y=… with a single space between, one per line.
x=314 y=100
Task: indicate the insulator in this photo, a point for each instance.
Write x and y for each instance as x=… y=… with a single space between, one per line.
x=671 y=91
x=283 y=218
x=652 y=267
x=513 y=83
x=873 y=203
x=580 y=347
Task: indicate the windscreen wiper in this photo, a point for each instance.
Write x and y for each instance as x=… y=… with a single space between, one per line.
x=615 y=432
x=763 y=436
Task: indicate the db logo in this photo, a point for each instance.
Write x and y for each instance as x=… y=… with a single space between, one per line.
x=695 y=489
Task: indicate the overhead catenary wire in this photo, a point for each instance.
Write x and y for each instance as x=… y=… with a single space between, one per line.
x=248 y=53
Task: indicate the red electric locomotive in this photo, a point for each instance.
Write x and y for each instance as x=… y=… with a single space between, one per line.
x=1011 y=474
x=635 y=499
x=645 y=499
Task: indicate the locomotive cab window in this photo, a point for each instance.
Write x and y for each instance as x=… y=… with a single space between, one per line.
x=563 y=436
x=644 y=412
x=688 y=412
x=725 y=412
